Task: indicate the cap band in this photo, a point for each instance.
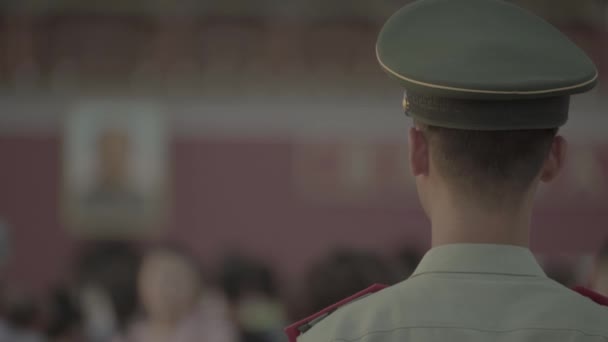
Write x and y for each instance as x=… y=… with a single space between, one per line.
x=491 y=115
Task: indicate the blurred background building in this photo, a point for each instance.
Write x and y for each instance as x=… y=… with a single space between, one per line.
x=261 y=136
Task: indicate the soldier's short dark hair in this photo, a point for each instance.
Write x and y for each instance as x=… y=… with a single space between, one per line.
x=489 y=163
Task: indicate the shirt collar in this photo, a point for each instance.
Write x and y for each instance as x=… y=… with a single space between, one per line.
x=480 y=258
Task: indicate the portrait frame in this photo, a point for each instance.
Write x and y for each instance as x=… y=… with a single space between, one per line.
x=115 y=169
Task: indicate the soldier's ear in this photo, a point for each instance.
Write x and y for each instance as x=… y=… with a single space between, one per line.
x=556 y=159
x=418 y=152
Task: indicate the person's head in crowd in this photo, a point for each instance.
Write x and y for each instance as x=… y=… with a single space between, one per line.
x=407 y=261
x=600 y=274
x=170 y=284
x=562 y=272
x=344 y=273
x=64 y=323
x=177 y=303
x=241 y=275
x=251 y=288
x=21 y=316
x=20 y=309
x=107 y=277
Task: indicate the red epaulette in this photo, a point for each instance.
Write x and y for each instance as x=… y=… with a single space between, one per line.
x=594 y=296
x=300 y=327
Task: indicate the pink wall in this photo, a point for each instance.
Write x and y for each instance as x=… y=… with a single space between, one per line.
x=241 y=195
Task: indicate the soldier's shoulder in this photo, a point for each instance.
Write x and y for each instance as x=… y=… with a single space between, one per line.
x=331 y=320
x=582 y=309
x=594 y=306
x=592 y=295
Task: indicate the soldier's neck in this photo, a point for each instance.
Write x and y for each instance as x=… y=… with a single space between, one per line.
x=464 y=222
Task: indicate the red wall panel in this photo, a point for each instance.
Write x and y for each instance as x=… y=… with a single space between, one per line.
x=231 y=195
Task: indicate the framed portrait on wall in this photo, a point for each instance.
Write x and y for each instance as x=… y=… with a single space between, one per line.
x=115 y=169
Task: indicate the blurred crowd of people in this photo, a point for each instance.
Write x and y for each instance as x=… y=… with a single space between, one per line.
x=120 y=294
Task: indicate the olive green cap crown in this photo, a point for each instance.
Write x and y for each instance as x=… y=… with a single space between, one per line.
x=482 y=64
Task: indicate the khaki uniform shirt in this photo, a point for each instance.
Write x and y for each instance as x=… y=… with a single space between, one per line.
x=469 y=292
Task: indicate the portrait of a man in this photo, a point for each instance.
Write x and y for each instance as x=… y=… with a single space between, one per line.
x=115 y=169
